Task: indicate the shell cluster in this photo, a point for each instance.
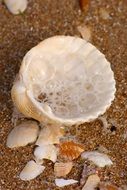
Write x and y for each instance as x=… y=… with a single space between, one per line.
x=64 y=80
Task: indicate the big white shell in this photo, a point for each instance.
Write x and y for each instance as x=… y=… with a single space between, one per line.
x=31 y=171
x=64 y=79
x=16 y=6
x=46 y=152
x=23 y=134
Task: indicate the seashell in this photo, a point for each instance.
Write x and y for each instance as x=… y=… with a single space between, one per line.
x=84 y=4
x=48 y=90
x=62 y=169
x=31 y=171
x=85 y=32
x=100 y=159
x=92 y=182
x=70 y=150
x=50 y=135
x=16 y=6
x=23 y=134
x=46 y=152
x=64 y=182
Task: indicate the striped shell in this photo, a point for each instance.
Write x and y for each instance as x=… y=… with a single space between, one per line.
x=70 y=150
x=61 y=169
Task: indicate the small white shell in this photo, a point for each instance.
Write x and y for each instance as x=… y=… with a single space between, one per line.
x=76 y=89
x=100 y=159
x=92 y=182
x=31 y=171
x=64 y=182
x=23 y=134
x=16 y=6
x=46 y=152
x=49 y=135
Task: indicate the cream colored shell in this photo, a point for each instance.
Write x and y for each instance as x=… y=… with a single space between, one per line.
x=16 y=6
x=72 y=77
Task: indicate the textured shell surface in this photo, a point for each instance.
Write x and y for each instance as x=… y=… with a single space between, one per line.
x=31 y=171
x=64 y=80
x=61 y=169
x=46 y=152
x=16 y=6
x=70 y=150
x=23 y=134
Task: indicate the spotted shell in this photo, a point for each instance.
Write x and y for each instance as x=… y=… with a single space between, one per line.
x=70 y=150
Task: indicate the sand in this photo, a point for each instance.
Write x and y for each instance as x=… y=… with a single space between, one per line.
x=108 y=23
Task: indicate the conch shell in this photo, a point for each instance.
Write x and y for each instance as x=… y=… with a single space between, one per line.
x=64 y=80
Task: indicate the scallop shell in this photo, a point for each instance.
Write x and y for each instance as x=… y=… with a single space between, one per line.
x=70 y=150
x=92 y=182
x=16 y=6
x=46 y=152
x=50 y=135
x=31 y=171
x=65 y=80
x=23 y=134
x=62 y=169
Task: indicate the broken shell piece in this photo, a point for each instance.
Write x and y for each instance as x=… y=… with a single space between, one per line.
x=92 y=182
x=50 y=135
x=62 y=169
x=84 y=4
x=85 y=32
x=64 y=182
x=31 y=171
x=70 y=150
x=46 y=152
x=23 y=134
x=100 y=159
x=76 y=89
x=16 y=6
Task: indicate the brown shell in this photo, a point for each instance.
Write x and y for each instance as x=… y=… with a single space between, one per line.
x=61 y=169
x=108 y=186
x=70 y=150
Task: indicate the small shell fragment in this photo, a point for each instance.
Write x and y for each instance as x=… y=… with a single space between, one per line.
x=16 y=6
x=84 y=4
x=64 y=182
x=31 y=171
x=46 y=152
x=92 y=182
x=85 y=32
x=23 y=134
x=70 y=150
x=62 y=169
x=100 y=159
x=49 y=135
